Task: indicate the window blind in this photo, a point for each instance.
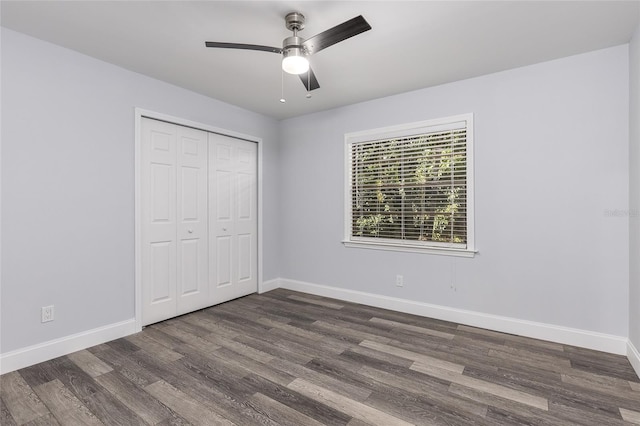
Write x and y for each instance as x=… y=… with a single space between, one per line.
x=411 y=188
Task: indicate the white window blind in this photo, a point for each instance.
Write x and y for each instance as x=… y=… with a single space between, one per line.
x=410 y=186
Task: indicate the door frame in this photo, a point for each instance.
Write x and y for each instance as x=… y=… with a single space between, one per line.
x=141 y=113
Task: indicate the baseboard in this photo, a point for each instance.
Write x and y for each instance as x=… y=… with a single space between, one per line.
x=269 y=285
x=553 y=333
x=41 y=352
x=634 y=357
x=31 y=355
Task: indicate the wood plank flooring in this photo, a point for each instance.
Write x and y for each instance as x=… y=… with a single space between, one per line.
x=286 y=358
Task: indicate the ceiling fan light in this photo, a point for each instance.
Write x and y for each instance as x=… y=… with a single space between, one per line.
x=294 y=62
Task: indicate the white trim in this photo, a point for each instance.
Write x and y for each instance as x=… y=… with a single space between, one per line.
x=457 y=121
x=410 y=129
x=31 y=355
x=260 y=210
x=269 y=285
x=41 y=352
x=410 y=249
x=553 y=333
x=137 y=221
x=471 y=185
x=634 y=357
x=139 y=114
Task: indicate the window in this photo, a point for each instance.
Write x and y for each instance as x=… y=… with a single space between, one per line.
x=410 y=187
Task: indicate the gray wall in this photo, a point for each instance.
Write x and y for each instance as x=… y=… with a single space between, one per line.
x=552 y=142
x=634 y=193
x=551 y=162
x=68 y=185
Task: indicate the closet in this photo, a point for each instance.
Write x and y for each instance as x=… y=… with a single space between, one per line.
x=198 y=213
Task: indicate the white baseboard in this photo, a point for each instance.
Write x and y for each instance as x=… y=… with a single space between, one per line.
x=25 y=357
x=269 y=285
x=634 y=357
x=41 y=352
x=564 y=335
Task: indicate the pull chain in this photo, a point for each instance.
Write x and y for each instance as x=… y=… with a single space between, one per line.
x=282 y=99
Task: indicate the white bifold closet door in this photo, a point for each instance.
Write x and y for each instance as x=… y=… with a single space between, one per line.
x=233 y=217
x=174 y=220
x=198 y=217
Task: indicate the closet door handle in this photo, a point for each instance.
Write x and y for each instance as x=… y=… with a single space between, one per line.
x=190 y=231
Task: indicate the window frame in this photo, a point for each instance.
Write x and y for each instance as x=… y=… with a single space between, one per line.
x=402 y=130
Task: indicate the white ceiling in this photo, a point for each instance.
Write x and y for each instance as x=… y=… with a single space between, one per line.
x=412 y=44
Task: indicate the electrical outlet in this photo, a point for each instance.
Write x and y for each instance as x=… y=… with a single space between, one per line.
x=47 y=313
x=399 y=281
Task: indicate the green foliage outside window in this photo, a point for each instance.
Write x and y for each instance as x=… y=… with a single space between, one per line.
x=411 y=188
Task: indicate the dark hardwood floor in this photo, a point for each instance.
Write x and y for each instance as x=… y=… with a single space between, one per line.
x=286 y=358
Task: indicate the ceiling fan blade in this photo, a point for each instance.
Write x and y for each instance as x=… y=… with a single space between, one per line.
x=334 y=35
x=243 y=46
x=309 y=80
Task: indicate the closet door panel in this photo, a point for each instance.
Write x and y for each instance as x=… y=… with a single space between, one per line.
x=192 y=225
x=224 y=250
x=246 y=216
x=158 y=215
x=245 y=259
x=161 y=269
x=233 y=207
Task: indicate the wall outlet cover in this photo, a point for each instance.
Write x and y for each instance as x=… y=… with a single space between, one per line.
x=47 y=313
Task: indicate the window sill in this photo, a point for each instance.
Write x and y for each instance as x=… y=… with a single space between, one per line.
x=443 y=251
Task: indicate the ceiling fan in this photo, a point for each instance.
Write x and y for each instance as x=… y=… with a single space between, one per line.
x=295 y=50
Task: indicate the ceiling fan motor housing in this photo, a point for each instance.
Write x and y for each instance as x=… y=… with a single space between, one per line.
x=293 y=46
x=294 y=21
